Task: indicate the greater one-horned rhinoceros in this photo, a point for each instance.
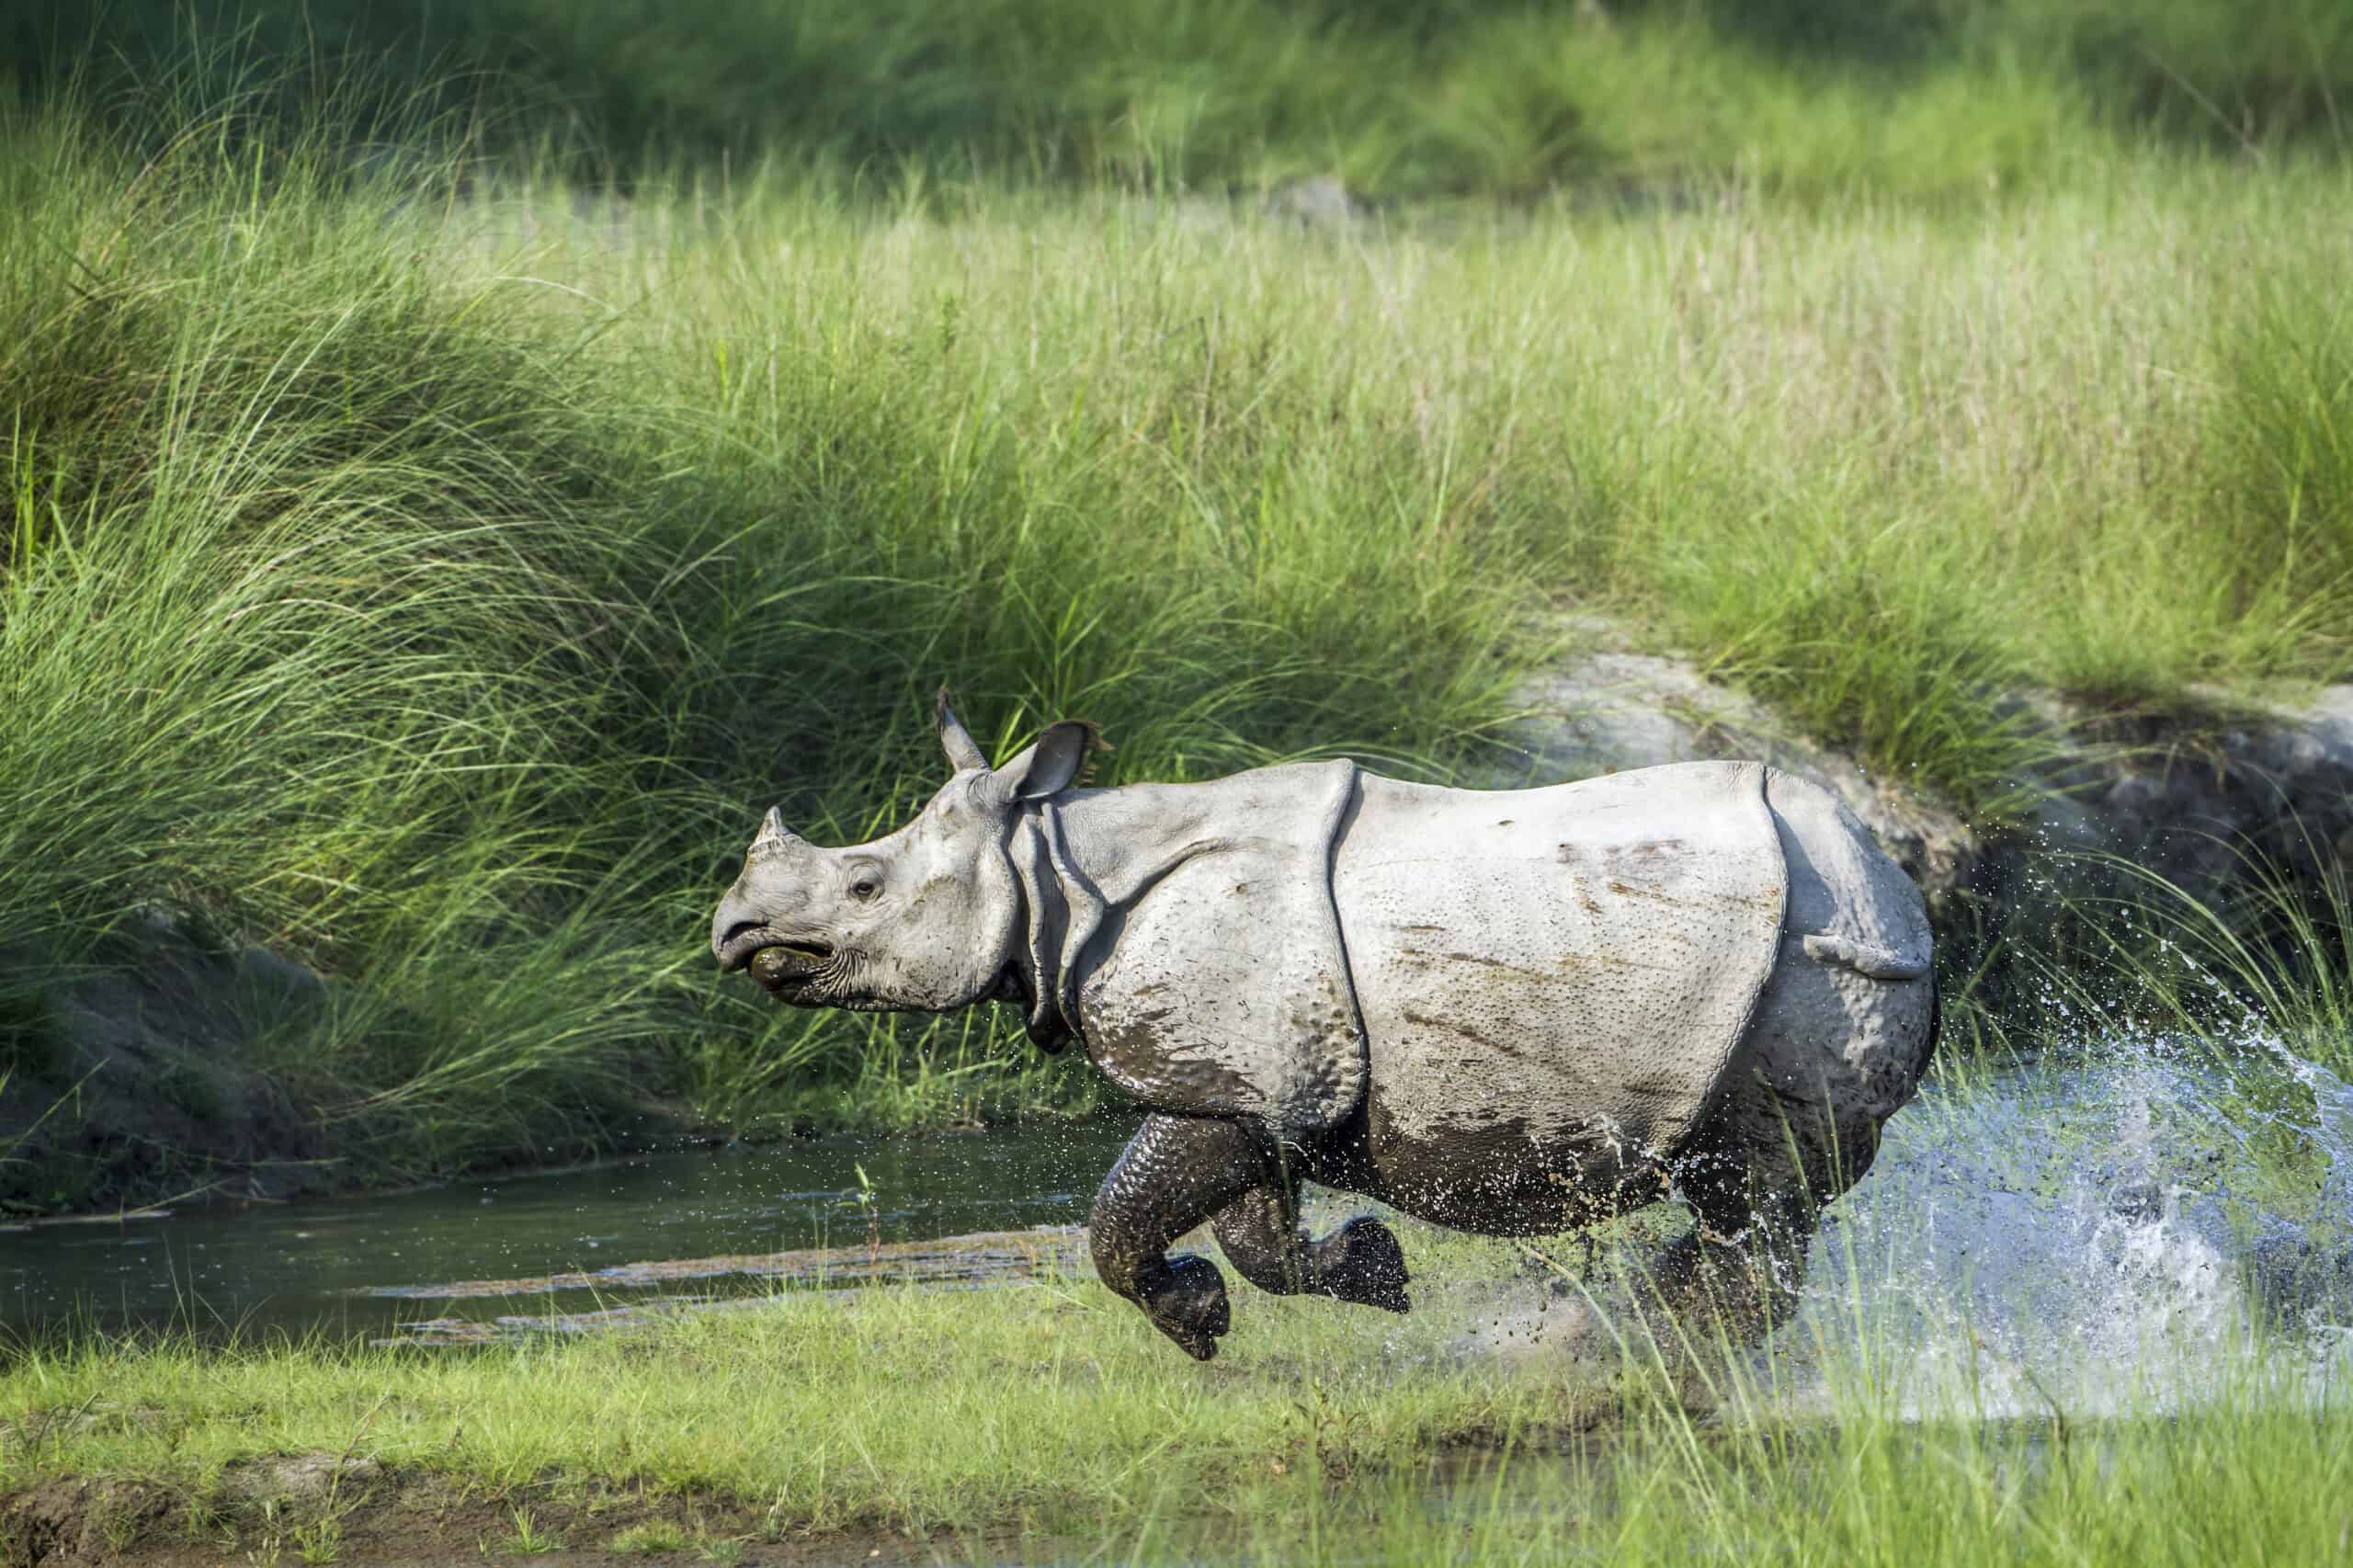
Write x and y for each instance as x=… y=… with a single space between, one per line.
x=1511 y=1012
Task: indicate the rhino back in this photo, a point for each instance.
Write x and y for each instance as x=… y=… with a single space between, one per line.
x=1569 y=968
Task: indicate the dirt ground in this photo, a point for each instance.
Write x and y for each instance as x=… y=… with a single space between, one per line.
x=319 y=1509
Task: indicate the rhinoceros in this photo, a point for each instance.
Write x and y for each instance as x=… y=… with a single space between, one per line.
x=1508 y=1012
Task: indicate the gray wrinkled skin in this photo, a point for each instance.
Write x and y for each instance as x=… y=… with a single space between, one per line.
x=1508 y=1012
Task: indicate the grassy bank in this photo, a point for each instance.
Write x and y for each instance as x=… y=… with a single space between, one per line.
x=2160 y=1402
x=1038 y=1408
x=1049 y=1419
x=428 y=578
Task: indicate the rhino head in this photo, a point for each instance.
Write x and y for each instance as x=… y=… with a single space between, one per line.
x=928 y=919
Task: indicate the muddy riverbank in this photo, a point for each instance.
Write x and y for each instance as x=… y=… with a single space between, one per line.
x=2135 y=1250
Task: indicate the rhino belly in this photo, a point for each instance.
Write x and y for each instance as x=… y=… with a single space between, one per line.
x=1552 y=982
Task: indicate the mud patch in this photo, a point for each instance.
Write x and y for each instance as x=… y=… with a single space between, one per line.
x=352 y=1511
x=70 y=1521
x=299 y=1477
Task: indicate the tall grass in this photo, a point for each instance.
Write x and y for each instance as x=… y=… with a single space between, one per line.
x=1480 y=96
x=431 y=578
x=2268 y=961
x=1046 y=1407
x=440 y=622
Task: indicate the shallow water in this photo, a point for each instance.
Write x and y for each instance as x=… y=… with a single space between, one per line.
x=354 y=1266
x=2097 y=1231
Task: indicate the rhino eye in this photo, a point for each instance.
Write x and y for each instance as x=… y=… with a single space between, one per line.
x=864 y=888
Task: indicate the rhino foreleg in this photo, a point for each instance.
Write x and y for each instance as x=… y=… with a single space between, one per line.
x=1179 y=1171
x=1175 y=1172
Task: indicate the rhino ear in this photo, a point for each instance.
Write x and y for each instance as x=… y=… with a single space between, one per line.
x=962 y=751
x=1057 y=761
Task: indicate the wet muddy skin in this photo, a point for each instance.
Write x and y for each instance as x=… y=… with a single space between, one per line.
x=579 y=1241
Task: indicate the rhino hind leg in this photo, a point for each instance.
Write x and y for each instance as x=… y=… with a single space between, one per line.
x=1360 y=1262
x=1839 y=1039
x=1755 y=1184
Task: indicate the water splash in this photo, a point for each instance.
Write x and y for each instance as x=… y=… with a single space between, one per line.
x=2115 y=1228
x=2120 y=1226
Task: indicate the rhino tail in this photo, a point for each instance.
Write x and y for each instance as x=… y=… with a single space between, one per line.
x=1866 y=959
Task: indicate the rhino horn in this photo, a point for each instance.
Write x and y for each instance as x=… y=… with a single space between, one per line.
x=963 y=752
x=773 y=834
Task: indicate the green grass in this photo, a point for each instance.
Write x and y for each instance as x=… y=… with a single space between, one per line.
x=2267 y=962
x=426 y=569
x=1052 y=1414
x=375 y=596
x=822 y=1415
x=430 y=579
x=650 y=1538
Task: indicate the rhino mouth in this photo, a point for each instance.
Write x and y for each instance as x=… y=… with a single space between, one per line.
x=776 y=964
x=783 y=967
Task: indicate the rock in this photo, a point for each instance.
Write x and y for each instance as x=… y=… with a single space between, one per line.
x=2205 y=798
x=2300 y=1281
x=277 y=979
x=1609 y=710
x=150 y=1056
x=2209 y=800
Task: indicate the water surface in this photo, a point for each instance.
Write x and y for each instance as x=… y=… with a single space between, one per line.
x=349 y=1266
x=2075 y=1229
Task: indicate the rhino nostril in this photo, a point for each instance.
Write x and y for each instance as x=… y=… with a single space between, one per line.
x=740 y=927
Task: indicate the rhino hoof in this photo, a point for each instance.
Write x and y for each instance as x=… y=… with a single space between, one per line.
x=1186 y=1301
x=1369 y=1266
